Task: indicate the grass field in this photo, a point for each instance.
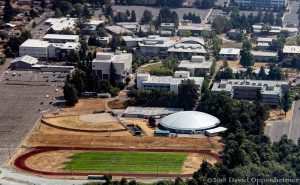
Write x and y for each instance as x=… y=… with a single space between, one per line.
x=126 y=162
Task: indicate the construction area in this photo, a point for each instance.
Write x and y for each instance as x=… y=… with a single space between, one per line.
x=91 y=126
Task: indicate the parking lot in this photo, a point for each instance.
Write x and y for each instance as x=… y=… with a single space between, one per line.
x=291 y=18
x=21 y=107
x=31 y=76
x=139 y=10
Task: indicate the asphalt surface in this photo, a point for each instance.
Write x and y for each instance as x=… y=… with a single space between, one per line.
x=275 y=130
x=292 y=16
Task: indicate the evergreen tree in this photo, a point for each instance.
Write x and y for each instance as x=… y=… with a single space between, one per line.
x=70 y=94
x=133 y=16
x=147 y=17
x=8 y=11
x=112 y=75
x=246 y=58
x=188 y=94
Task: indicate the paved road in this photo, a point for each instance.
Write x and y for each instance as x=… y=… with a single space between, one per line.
x=292 y=16
x=275 y=130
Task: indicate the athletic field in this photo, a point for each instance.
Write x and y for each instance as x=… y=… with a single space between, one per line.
x=126 y=162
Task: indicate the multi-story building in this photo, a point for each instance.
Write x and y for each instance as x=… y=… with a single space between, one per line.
x=271 y=91
x=262 y=3
x=122 y=62
x=148 y=82
x=59 y=24
x=197 y=66
x=59 y=38
x=229 y=53
x=45 y=50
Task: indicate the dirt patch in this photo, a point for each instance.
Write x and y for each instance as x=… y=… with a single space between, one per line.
x=278 y=114
x=117 y=104
x=236 y=64
x=84 y=106
x=48 y=136
x=52 y=161
x=97 y=118
x=193 y=162
x=76 y=122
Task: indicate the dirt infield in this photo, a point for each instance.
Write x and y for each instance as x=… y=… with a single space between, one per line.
x=103 y=122
x=22 y=164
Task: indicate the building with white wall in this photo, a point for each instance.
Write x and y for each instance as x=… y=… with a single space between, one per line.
x=229 y=53
x=148 y=82
x=122 y=62
x=197 y=66
x=59 y=24
x=271 y=91
x=46 y=50
x=188 y=47
x=262 y=3
x=60 y=38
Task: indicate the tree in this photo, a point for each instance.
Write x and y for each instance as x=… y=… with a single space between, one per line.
x=133 y=16
x=58 y=12
x=115 y=42
x=73 y=57
x=287 y=104
x=43 y=4
x=221 y=24
x=188 y=94
x=112 y=75
x=247 y=45
x=8 y=11
x=262 y=73
x=147 y=17
x=70 y=94
x=206 y=4
x=246 y=58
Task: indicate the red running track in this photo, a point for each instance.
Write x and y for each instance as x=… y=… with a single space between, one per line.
x=20 y=161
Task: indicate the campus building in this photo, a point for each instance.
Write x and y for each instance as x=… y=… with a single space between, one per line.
x=45 y=50
x=262 y=3
x=271 y=91
x=59 y=24
x=146 y=112
x=148 y=82
x=188 y=47
x=274 y=30
x=60 y=38
x=291 y=50
x=229 y=53
x=194 y=29
x=188 y=122
x=197 y=66
x=263 y=56
x=122 y=62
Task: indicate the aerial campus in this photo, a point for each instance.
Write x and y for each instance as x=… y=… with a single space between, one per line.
x=158 y=92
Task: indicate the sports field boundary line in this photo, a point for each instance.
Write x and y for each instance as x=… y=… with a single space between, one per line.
x=20 y=161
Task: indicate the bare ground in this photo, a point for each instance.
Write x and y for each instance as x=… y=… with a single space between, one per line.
x=193 y=162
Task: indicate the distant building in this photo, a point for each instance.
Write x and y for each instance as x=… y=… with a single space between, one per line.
x=262 y=3
x=271 y=91
x=24 y=62
x=264 y=43
x=59 y=24
x=167 y=26
x=122 y=62
x=195 y=29
x=197 y=66
x=275 y=30
x=263 y=56
x=229 y=53
x=155 y=45
x=148 y=82
x=118 y=30
x=291 y=50
x=59 y=38
x=187 y=47
x=132 y=26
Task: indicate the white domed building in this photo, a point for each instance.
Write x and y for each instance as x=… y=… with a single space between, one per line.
x=187 y=122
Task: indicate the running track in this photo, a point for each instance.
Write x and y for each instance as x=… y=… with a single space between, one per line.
x=20 y=161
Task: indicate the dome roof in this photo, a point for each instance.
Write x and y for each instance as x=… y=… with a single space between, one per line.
x=189 y=120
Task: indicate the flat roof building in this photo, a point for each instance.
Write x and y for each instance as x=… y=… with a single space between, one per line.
x=260 y=3
x=148 y=82
x=59 y=24
x=271 y=91
x=188 y=47
x=118 y=30
x=197 y=66
x=263 y=56
x=60 y=38
x=291 y=50
x=146 y=112
x=195 y=29
x=122 y=63
x=229 y=53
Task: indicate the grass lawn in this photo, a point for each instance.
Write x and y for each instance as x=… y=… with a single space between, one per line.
x=126 y=162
